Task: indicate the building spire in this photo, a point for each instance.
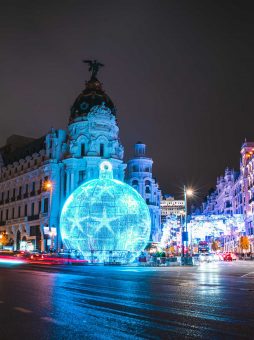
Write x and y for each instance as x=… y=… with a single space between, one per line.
x=94 y=67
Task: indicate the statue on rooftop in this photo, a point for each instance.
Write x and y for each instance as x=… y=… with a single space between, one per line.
x=94 y=66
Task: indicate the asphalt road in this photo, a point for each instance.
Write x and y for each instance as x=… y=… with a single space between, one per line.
x=212 y=301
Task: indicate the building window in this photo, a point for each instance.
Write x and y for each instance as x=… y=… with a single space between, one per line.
x=46 y=205
x=65 y=183
x=148 y=191
x=25 y=213
x=1 y=218
x=19 y=211
x=32 y=209
x=13 y=212
x=81 y=176
x=7 y=214
x=33 y=187
x=82 y=153
x=39 y=207
x=102 y=150
x=35 y=230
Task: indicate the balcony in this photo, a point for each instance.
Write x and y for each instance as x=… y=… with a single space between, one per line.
x=13 y=199
x=26 y=195
x=7 y=200
x=32 y=193
x=18 y=197
x=33 y=217
x=16 y=220
x=39 y=191
x=1 y=202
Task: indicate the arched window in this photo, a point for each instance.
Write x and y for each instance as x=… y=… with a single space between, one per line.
x=148 y=191
x=102 y=150
x=82 y=150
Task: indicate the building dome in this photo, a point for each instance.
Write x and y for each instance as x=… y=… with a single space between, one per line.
x=92 y=95
x=106 y=219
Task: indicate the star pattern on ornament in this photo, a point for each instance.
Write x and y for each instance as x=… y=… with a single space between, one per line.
x=107 y=189
x=75 y=222
x=93 y=193
x=129 y=202
x=104 y=221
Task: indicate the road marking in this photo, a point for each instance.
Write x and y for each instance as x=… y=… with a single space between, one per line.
x=247 y=274
x=22 y=310
x=46 y=318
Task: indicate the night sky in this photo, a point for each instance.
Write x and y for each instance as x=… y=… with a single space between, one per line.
x=180 y=73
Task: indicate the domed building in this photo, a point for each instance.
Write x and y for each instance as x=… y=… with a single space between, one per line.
x=140 y=176
x=38 y=175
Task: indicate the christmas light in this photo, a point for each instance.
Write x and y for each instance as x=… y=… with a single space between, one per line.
x=106 y=219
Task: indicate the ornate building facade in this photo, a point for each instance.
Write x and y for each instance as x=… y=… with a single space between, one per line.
x=247 y=185
x=37 y=175
x=234 y=194
x=140 y=177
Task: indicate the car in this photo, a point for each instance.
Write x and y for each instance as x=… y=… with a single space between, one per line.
x=206 y=257
x=228 y=257
x=36 y=257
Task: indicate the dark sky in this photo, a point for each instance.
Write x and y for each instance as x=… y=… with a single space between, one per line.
x=180 y=73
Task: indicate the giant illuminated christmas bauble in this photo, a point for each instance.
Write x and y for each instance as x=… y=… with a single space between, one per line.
x=105 y=219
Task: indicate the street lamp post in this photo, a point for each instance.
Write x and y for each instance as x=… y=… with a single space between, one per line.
x=49 y=187
x=187 y=192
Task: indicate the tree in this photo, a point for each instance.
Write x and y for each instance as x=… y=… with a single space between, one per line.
x=244 y=242
x=3 y=239
x=215 y=246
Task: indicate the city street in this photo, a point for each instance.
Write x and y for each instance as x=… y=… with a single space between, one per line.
x=213 y=300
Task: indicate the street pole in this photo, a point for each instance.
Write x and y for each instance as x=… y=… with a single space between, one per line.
x=185 y=215
x=187 y=192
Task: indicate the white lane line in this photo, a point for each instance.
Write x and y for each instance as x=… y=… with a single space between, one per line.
x=22 y=310
x=48 y=319
x=247 y=274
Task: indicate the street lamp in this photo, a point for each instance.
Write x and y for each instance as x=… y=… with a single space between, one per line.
x=188 y=192
x=48 y=186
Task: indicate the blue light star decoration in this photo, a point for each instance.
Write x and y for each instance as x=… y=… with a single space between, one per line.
x=105 y=219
